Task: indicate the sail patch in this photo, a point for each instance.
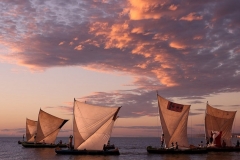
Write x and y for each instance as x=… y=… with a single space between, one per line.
x=174 y=107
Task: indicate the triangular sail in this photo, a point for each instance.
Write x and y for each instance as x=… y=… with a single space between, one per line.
x=92 y=125
x=221 y=121
x=174 y=118
x=31 y=129
x=48 y=127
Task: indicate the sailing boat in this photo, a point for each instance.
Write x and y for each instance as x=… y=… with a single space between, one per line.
x=48 y=127
x=174 y=118
x=31 y=129
x=92 y=127
x=218 y=126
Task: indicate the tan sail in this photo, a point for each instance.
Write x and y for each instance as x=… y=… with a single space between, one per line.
x=219 y=120
x=48 y=127
x=92 y=125
x=31 y=129
x=174 y=118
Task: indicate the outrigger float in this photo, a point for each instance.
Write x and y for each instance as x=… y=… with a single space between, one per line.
x=223 y=149
x=87 y=152
x=42 y=145
x=150 y=149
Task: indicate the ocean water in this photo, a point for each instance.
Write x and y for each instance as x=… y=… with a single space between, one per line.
x=130 y=149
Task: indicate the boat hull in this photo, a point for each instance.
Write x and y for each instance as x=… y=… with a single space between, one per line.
x=87 y=152
x=152 y=150
x=41 y=145
x=225 y=149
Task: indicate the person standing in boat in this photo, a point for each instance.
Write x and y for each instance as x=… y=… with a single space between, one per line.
x=23 y=137
x=162 y=140
x=211 y=138
x=70 y=141
x=176 y=145
x=60 y=142
x=35 y=136
x=237 y=145
x=224 y=144
x=207 y=141
x=201 y=144
x=104 y=147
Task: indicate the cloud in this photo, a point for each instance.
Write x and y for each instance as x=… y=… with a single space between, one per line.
x=67 y=110
x=202 y=110
x=173 y=7
x=15 y=130
x=192 y=17
x=180 y=48
x=195 y=102
x=139 y=127
x=194 y=114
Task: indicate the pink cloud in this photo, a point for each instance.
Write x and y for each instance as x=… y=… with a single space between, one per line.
x=191 y=17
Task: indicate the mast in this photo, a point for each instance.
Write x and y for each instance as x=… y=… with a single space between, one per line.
x=205 y=137
x=73 y=113
x=159 y=115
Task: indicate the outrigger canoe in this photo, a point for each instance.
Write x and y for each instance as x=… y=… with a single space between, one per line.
x=42 y=145
x=150 y=149
x=87 y=152
x=223 y=149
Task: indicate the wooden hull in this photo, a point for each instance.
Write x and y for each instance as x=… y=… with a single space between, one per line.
x=87 y=152
x=176 y=151
x=225 y=149
x=41 y=145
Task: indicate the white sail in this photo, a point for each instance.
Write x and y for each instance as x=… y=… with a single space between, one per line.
x=221 y=121
x=174 y=118
x=92 y=125
x=31 y=129
x=48 y=127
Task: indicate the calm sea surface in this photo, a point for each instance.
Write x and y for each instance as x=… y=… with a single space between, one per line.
x=130 y=149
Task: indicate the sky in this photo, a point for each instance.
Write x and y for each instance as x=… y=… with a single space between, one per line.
x=118 y=53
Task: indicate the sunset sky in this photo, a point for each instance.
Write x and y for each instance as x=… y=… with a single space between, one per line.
x=118 y=53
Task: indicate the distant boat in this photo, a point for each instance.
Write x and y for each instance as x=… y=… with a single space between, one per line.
x=92 y=127
x=174 y=118
x=31 y=129
x=48 y=127
x=218 y=125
